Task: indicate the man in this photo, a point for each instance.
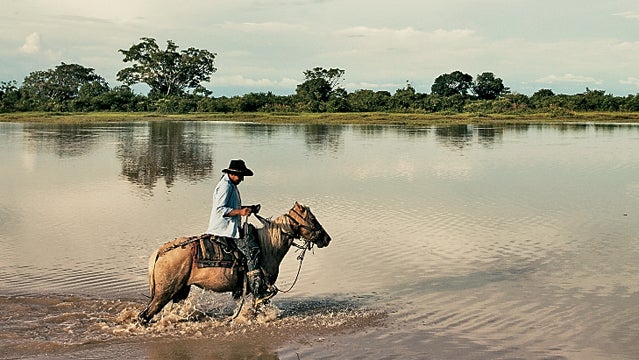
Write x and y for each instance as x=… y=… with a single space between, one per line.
x=225 y=221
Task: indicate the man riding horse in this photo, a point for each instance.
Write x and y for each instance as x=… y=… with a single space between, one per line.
x=225 y=221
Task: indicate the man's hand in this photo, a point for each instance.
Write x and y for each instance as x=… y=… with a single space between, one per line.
x=245 y=211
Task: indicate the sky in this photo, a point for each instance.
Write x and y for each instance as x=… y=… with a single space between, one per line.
x=266 y=45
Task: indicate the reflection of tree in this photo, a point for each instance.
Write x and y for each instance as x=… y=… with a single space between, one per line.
x=323 y=137
x=488 y=135
x=64 y=140
x=518 y=128
x=415 y=132
x=371 y=131
x=460 y=136
x=254 y=132
x=457 y=136
x=575 y=128
x=164 y=149
x=612 y=128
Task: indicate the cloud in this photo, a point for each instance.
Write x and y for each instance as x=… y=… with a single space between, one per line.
x=451 y=34
x=241 y=81
x=629 y=15
x=630 y=81
x=31 y=44
x=270 y=26
x=570 y=78
x=404 y=33
x=369 y=85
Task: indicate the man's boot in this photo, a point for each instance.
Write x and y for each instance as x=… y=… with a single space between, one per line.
x=261 y=291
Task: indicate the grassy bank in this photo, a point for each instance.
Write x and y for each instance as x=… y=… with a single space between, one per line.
x=328 y=118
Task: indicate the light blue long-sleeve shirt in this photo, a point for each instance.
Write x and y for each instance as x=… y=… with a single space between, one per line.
x=226 y=197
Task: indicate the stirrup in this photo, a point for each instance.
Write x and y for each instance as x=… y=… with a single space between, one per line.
x=266 y=297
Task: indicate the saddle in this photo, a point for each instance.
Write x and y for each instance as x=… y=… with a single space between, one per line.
x=216 y=251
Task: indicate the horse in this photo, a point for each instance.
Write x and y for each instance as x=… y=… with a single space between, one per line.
x=172 y=268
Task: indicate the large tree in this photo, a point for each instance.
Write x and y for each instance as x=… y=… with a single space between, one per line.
x=167 y=72
x=319 y=86
x=9 y=96
x=62 y=83
x=332 y=76
x=489 y=87
x=455 y=83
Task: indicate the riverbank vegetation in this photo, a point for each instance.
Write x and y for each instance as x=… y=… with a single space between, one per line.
x=381 y=118
x=73 y=92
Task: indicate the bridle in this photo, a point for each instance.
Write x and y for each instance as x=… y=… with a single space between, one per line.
x=297 y=234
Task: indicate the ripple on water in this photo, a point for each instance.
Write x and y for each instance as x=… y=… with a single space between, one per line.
x=82 y=278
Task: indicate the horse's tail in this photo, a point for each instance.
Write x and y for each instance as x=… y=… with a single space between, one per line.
x=143 y=316
x=152 y=260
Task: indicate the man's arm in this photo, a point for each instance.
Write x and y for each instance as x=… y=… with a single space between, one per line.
x=223 y=196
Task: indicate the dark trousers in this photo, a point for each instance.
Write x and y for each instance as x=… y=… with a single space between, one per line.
x=249 y=247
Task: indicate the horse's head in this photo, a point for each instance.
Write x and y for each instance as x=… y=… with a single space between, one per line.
x=307 y=226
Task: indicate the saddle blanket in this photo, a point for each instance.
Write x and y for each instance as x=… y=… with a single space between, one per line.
x=212 y=251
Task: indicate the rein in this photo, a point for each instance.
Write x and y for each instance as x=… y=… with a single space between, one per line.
x=307 y=246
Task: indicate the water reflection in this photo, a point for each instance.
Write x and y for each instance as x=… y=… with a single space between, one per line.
x=489 y=135
x=148 y=151
x=154 y=151
x=64 y=140
x=164 y=150
x=457 y=137
x=323 y=137
x=573 y=128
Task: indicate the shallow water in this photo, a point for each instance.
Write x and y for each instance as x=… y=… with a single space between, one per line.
x=448 y=242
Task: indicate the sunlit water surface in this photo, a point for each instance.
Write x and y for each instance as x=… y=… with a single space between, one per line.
x=465 y=242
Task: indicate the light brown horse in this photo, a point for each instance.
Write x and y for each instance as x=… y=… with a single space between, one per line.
x=172 y=269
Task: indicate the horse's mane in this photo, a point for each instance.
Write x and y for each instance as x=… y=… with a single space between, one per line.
x=274 y=243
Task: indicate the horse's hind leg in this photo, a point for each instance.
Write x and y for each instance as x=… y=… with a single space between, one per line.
x=168 y=277
x=182 y=294
x=158 y=302
x=155 y=305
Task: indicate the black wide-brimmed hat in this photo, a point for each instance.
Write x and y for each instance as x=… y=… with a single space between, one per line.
x=238 y=167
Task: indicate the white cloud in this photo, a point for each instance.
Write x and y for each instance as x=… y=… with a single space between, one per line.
x=570 y=78
x=31 y=44
x=405 y=33
x=451 y=34
x=629 y=14
x=630 y=81
x=352 y=86
x=241 y=81
x=263 y=26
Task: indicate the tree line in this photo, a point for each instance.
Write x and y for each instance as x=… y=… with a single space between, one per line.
x=175 y=80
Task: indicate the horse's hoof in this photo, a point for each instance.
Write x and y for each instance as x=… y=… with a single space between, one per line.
x=143 y=320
